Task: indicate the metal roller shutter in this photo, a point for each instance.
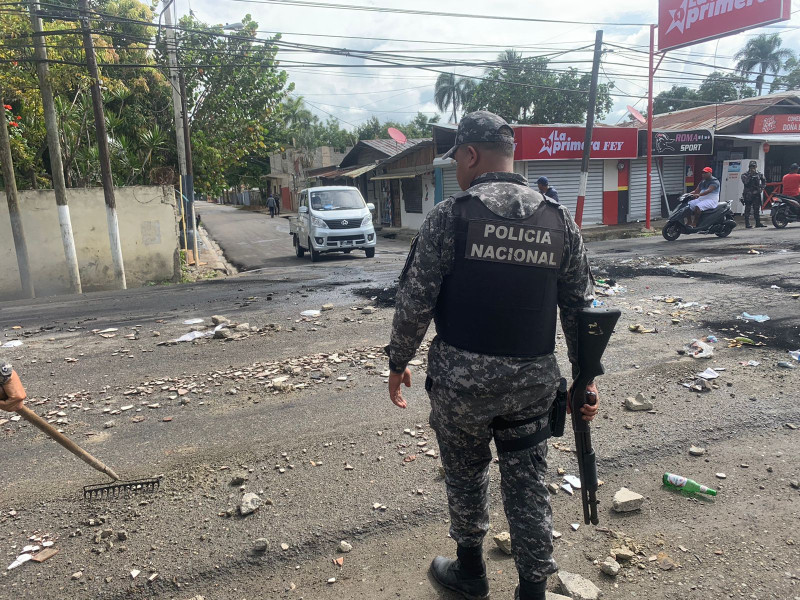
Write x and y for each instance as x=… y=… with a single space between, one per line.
x=638 y=191
x=565 y=175
x=674 y=174
x=449 y=183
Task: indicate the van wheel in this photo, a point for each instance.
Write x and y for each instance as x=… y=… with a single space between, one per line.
x=298 y=249
x=315 y=255
x=370 y=252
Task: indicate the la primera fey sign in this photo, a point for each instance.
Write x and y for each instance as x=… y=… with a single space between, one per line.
x=685 y=22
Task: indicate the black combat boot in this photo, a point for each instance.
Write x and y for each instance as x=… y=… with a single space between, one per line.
x=747 y=223
x=465 y=575
x=530 y=590
x=758 y=221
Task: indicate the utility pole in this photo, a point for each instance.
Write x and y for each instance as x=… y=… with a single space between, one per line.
x=587 y=142
x=650 y=73
x=102 y=145
x=54 y=146
x=187 y=142
x=13 y=207
x=181 y=126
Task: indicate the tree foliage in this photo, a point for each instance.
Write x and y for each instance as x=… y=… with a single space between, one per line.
x=452 y=92
x=762 y=54
x=527 y=90
x=716 y=88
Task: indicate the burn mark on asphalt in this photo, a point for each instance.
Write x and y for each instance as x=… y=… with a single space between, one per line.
x=384 y=297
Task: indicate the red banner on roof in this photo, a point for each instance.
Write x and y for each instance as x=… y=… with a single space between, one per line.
x=776 y=124
x=685 y=22
x=554 y=143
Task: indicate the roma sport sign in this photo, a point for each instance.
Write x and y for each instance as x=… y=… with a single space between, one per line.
x=685 y=22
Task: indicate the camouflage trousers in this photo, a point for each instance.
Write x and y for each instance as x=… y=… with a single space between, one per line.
x=463 y=428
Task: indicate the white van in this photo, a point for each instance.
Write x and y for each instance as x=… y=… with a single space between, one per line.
x=333 y=219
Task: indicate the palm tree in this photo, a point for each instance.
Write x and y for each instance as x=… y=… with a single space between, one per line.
x=452 y=91
x=762 y=54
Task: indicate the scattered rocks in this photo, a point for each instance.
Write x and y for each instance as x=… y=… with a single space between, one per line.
x=576 y=587
x=626 y=500
x=721 y=475
x=77 y=575
x=553 y=487
x=260 y=545
x=219 y=320
x=369 y=310
x=223 y=334
x=243 y=327
x=795 y=484
x=345 y=547
x=638 y=403
x=284 y=546
x=122 y=535
x=697 y=451
x=503 y=541
x=135 y=573
x=109 y=424
x=249 y=504
x=327 y=307
x=665 y=562
x=238 y=479
x=610 y=567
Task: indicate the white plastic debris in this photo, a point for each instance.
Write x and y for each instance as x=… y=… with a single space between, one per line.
x=567 y=488
x=698 y=349
x=795 y=354
x=192 y=321
x=193 y=335
x=709 y=373
x=12 y=344
x=310 y=313
x=573 y=481
x=109 y=330
x=745 y=316
x=21 y=559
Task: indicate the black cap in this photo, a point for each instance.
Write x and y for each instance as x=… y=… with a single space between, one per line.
x=753 y=163
x=481 y=126
x=794 y=166
x=543 y=180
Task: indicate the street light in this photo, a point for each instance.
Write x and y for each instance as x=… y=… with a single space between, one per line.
x=234 y=26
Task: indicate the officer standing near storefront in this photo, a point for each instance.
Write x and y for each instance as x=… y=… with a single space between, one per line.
x=490 y=266
x=754 y=184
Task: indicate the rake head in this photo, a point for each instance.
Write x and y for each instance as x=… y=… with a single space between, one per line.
x=120 y=488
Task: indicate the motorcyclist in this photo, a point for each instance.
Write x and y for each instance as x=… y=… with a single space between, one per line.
x=706 y=196
x=754 y=184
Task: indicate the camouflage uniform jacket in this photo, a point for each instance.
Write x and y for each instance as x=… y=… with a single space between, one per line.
x=431 y=260
x=754 y=183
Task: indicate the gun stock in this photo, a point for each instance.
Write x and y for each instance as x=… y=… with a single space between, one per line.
x=595 y=326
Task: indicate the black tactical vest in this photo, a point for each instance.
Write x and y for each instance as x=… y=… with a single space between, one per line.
x=501 y=297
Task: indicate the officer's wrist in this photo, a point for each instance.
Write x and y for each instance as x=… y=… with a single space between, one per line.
x=396 y=368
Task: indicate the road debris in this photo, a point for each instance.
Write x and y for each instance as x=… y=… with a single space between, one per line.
x=503 y=541
x=747 y=317
x=698 y=349
x=639 y=403
x=249 y=503
x=576 y=587
x=697 y=450
x=345 y=546
x=626 y=500
x=610 y=567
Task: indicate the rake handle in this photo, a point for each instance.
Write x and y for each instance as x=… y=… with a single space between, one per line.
x=38 y=422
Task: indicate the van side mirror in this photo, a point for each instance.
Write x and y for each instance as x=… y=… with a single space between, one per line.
x=371 y=206
x=302 y=210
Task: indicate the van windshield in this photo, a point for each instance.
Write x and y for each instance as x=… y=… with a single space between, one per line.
x=336 y=200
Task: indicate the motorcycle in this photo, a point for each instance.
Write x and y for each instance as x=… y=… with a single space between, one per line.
x=785 y=209
x=718 y=221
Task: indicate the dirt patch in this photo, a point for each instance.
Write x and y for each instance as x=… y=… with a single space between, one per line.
x=381 y=297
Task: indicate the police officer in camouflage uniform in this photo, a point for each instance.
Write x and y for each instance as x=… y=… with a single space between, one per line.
x=490 y=266
x=754 y=184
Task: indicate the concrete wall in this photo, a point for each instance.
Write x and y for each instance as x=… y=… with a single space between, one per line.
x=148 y=227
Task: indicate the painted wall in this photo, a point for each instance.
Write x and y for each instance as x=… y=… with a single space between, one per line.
x=414 y=220
x=148 y=228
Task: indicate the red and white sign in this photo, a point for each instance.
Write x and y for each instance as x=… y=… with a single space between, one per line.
x=685 y=22
x=776 y=124
x=556 y=143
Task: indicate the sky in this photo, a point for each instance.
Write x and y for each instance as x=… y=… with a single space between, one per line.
x=353 y=95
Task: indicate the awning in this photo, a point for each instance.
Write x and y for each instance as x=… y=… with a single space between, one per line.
x=777 y=139
x=359 y=171
x=391 y=176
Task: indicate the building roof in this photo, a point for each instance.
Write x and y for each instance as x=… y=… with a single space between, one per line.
x=387 y=148
x=718 y=117
x=421 y=143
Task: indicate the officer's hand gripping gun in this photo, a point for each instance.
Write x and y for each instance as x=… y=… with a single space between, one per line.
x=595 y=326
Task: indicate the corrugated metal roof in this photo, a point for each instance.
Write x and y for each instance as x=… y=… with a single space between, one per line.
x=353 y=173
x=717 y=116
x=410 y=148
x=390 y=147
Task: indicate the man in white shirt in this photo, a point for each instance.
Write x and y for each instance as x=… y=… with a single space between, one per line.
x=706 y=196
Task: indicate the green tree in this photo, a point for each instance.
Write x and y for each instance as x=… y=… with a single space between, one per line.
x=762 y=54
x=678 y=97
x=789 y=81
x=452 y=92
x=235 y=91
x=526 y=90
x=724 y=87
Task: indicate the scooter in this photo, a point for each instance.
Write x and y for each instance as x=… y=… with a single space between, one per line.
x=718 y=221
x=785 y=209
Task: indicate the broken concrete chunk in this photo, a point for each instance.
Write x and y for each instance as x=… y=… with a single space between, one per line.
x=610 y=567
x=503 y=541
x=623 y=554
x=260 y=545
x=345 y=547
x=219 y=319
x=638 y=403
x=327 y=307
x=696 y=451
x=576 y=587
x=249 y=504
x=627 y=501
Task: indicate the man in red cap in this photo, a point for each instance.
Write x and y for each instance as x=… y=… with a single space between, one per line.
x=706 y=196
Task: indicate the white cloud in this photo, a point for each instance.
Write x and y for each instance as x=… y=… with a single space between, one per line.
x=354 y=95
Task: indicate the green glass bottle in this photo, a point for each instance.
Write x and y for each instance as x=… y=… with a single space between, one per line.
x=686 y=485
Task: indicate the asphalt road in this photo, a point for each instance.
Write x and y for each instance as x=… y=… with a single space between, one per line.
x=295 y=444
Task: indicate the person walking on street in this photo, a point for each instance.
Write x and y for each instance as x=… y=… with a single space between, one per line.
x=791 y=181
x=277 y=204
x=545 y=188
x=271 y=206
x=491 y=266
x=754 y=184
